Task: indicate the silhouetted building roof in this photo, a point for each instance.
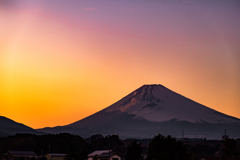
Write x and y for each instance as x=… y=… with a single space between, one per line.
x=98 y=152
x=210 y=158
x=20 y=153
x=106 y=155
x=57 y=154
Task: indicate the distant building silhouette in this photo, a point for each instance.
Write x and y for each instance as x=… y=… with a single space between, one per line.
x=225 y=136
x=104 y=155
x=12 y=154
x=55 y=156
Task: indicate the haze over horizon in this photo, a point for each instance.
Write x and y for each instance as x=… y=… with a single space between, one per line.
x=61 y=61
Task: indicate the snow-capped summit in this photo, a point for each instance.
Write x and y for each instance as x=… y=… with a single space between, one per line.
x=153 y=109
x=158 y=104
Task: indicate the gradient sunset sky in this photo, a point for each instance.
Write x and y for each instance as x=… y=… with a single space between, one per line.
x=61 y=61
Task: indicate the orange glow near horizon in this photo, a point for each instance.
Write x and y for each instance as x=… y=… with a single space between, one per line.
x=59 y=65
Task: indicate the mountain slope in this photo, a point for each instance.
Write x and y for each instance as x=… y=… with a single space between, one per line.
x=10 y=127
x=153 y=109
x=158 y=104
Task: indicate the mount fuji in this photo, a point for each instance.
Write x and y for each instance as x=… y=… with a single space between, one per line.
x=153 y=109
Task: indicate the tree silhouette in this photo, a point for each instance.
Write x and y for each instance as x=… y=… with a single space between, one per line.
x=134 y=151
x=167 y=148
x=229 y=149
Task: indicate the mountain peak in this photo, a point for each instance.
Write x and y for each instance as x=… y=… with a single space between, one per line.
x=149 y=92
x=149 y=95
x=152 y=85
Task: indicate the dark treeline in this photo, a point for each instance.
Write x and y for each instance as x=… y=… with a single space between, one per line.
x=42 y=144
x=160 y=147
x=61 y=143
